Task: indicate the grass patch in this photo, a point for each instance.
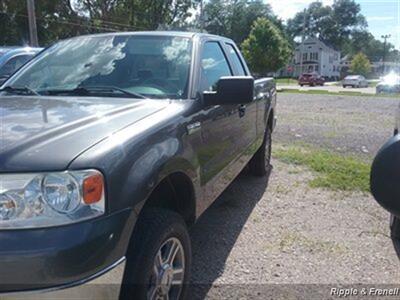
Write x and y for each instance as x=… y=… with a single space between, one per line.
x=342 y=93
x=370 y=83
x=334 y=171
x=286 y=81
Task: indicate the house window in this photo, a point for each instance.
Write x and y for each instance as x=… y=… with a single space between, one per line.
x=304 y=56
x=316 y=68
x=314 y=56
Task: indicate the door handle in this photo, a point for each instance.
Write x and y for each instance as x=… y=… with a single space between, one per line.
x=242 y=110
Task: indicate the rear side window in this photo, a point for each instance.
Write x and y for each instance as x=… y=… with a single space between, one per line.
x=236 y=60
x=213 y=66
x=13 y=64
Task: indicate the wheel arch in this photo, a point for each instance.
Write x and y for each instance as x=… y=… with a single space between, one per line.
x=175 y=191
x=270 y=119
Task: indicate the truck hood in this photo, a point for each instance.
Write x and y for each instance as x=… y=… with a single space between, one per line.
x=47 y=133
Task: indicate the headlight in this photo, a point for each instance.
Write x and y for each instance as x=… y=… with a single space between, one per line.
x=50 y=199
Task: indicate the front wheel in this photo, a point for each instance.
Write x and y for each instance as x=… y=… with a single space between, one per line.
x=159 y=258
x=394 y=227
x=261 y=161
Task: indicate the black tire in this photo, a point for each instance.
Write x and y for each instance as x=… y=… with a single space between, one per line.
x=154 y=228
x=394 y=227
x=260 y=163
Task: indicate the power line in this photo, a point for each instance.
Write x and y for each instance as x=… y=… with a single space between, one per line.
x=107 y=28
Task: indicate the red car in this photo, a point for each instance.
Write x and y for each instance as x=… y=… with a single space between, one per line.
x=311 y=79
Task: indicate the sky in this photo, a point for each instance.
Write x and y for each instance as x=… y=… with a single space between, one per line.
x=383 y=16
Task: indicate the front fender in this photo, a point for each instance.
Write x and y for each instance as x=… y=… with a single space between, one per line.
x=153 y=166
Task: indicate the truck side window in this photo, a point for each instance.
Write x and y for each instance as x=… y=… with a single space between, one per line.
x=236 y=60
x=213 y=66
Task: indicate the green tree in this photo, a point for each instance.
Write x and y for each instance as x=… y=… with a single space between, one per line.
x=234 y=18
x=360 y=64
x=266 y=49
x=137 y=14
x=59 y=19
x=364 y=41
x=333 y=24
x=56 y=19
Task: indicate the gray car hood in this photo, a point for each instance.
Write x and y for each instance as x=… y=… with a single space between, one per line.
x=47 y=133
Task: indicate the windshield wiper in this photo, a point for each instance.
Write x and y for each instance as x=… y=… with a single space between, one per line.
x=87 y=90
x=18 y=90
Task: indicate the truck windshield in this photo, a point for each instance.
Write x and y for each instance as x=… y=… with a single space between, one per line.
x=148 y=66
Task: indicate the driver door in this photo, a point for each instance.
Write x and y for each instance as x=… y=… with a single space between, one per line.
x=218 y=151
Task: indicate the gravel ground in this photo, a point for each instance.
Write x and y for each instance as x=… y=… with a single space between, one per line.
x=329 y=88
x=265 y=240
x=358 y=125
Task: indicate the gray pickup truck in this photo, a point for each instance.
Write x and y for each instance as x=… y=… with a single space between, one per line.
x=112 y=145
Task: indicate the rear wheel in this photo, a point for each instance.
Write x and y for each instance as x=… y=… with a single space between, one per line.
x=159 y=258
x=261 y=161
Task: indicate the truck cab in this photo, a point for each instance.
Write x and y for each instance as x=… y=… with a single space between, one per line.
x=113 y=145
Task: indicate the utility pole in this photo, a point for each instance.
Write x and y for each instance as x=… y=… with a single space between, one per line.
x=302 y=41
x=385 y=37
x=201 y=16
x=32 y=23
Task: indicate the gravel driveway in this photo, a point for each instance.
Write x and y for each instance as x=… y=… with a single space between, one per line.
x=265 y=240
x=330 y=88
x=358 y=125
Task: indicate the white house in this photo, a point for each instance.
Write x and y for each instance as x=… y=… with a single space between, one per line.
x=313 y=55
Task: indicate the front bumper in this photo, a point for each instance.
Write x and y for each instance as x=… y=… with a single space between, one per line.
x=47 y=259
x=103 y=285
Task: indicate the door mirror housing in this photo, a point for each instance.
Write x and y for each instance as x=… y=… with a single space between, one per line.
x=385 y=176
x=231 y=90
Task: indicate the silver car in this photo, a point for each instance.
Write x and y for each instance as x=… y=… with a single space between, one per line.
x=355 y=81
x=12 y=58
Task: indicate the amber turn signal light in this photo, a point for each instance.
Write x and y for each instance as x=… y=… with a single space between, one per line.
x=93 y=188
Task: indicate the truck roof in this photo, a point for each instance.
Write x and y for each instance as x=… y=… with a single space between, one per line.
x=186 y=34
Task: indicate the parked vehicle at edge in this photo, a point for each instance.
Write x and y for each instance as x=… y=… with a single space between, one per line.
x=385 y=175
x=112 y=146
x=311 y=79
x=355 y=81
x=389 y=84
x=11 y=59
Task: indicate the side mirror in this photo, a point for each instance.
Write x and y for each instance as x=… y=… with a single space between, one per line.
x=385 y=176
x=231 y=90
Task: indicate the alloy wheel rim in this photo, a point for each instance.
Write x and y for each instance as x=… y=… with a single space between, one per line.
x=168 y=272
